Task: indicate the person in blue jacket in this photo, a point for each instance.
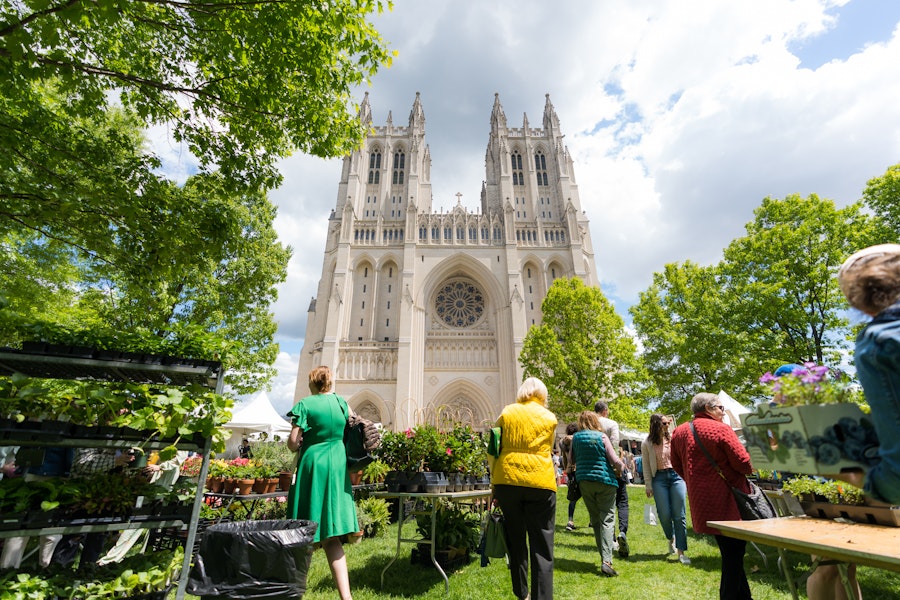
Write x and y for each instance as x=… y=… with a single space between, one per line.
x=870 y=280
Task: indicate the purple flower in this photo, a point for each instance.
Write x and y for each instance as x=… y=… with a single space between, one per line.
x=767 y=377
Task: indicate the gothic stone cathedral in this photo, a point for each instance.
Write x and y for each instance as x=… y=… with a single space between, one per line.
x=422 y=315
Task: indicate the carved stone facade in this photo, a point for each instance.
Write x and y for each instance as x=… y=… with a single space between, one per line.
x=422 y=315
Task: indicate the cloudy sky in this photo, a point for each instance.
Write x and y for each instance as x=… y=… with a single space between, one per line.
x=681 y=115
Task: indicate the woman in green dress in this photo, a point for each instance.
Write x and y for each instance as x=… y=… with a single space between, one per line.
x=321 y=490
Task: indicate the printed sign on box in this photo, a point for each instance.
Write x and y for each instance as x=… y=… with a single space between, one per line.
x=813 y=439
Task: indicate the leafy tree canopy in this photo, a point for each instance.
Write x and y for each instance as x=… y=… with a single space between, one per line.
x=241 y=83
x=92 y=236
x=583 y=354
x=773 y=299
x=688 y=343
x=882 y=195
x=782 y=278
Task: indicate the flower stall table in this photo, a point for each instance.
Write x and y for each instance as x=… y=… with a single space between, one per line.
x=432 y=500
x=871 y=545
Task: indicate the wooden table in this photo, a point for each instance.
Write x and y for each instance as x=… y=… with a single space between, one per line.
x=872 y=545
x=432 y=501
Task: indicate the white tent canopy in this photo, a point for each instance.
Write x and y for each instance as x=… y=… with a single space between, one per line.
x=251 y=419
x=733 y=410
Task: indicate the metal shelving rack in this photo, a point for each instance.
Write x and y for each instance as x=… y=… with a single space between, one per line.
x=178 y=372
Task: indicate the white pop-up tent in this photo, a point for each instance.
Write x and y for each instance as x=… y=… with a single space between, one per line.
x=733 y=410
x=251 y=419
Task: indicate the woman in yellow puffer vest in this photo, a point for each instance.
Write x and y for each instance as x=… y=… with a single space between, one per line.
x=524 y=484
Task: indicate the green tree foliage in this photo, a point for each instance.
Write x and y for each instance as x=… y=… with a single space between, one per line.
x=241 y=83
x=774 y=299
x=781 y=278
x=688 y=343
x=882 y=195
x=91 y=234
x=583 y=354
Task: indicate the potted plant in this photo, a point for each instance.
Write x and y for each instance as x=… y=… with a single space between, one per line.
x=374 y=516
x=243 y=472
x=375 y=471
x=813 y=425
x=456 y=534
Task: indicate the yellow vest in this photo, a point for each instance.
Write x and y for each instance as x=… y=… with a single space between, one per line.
x=527 y=433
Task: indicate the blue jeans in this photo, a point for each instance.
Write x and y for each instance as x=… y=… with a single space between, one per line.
x=669 y=492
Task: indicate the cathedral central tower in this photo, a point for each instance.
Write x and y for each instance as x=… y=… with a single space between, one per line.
x=422 y=316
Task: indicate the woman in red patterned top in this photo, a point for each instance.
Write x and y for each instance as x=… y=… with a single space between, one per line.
x=709 y=495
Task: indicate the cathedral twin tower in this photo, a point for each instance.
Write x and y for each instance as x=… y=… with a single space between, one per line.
x=422 y=315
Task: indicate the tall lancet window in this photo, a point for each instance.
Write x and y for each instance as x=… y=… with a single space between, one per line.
x=399 y=168
x=518 y=176
x=375 y=167
x=540 y=166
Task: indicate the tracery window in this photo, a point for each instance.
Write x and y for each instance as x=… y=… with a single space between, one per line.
x=459 y=303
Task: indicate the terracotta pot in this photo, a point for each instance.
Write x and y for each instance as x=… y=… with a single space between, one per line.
x=284 y=480
x=244 y=486
x=356 y=477
x=215 y=484
x=229 y=485
x=259 y=485
x=271 y=485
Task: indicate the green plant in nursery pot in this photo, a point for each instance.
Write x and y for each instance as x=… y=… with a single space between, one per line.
x=375 y=471
x=374 y=516
x=456 y=528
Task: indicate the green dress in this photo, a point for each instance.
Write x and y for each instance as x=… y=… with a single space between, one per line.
x=321 y=491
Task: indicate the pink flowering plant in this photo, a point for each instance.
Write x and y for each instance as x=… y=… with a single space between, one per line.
x=425 y=447
x=810 y=384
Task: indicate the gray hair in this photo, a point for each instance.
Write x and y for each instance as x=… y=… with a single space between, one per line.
x=532 y=388
x=702 y=401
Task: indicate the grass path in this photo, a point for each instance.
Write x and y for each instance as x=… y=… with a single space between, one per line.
x=648 y=574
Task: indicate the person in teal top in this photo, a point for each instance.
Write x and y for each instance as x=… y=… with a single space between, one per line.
x=321 y=491
x=597 y=468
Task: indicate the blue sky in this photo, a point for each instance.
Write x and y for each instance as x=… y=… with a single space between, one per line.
x=681 y=116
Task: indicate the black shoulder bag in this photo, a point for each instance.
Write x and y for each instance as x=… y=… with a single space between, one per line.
x=752 y=506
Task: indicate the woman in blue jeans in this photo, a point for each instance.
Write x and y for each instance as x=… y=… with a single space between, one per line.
x=665 y=486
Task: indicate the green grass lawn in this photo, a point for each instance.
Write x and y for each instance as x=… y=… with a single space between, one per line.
x=648 y=574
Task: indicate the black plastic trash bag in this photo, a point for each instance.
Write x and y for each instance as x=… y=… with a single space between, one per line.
x=253 y=559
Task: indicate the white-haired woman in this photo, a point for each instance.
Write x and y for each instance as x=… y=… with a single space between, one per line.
x=524 y=484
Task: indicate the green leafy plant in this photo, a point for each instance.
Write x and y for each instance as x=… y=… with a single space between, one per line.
x=810 y=384
x=375 y=471
x=456 y=528
x=274 y=455
x=835 y=492
x=374 y=516
x=425 y=447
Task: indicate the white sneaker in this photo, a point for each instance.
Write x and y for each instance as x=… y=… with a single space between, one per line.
x=683 y=559
x=671 y=547
x=615 y=546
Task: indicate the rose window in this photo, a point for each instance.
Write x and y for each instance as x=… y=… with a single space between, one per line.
x=459 y=304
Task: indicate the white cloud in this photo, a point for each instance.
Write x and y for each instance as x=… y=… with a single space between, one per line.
x=681 y=117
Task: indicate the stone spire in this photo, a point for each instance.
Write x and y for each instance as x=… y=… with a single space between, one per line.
x=417 y=115
x=365 y=111
x=551 y=121
x=498 y=117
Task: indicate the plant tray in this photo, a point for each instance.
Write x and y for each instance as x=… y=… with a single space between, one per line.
x=874 y=515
